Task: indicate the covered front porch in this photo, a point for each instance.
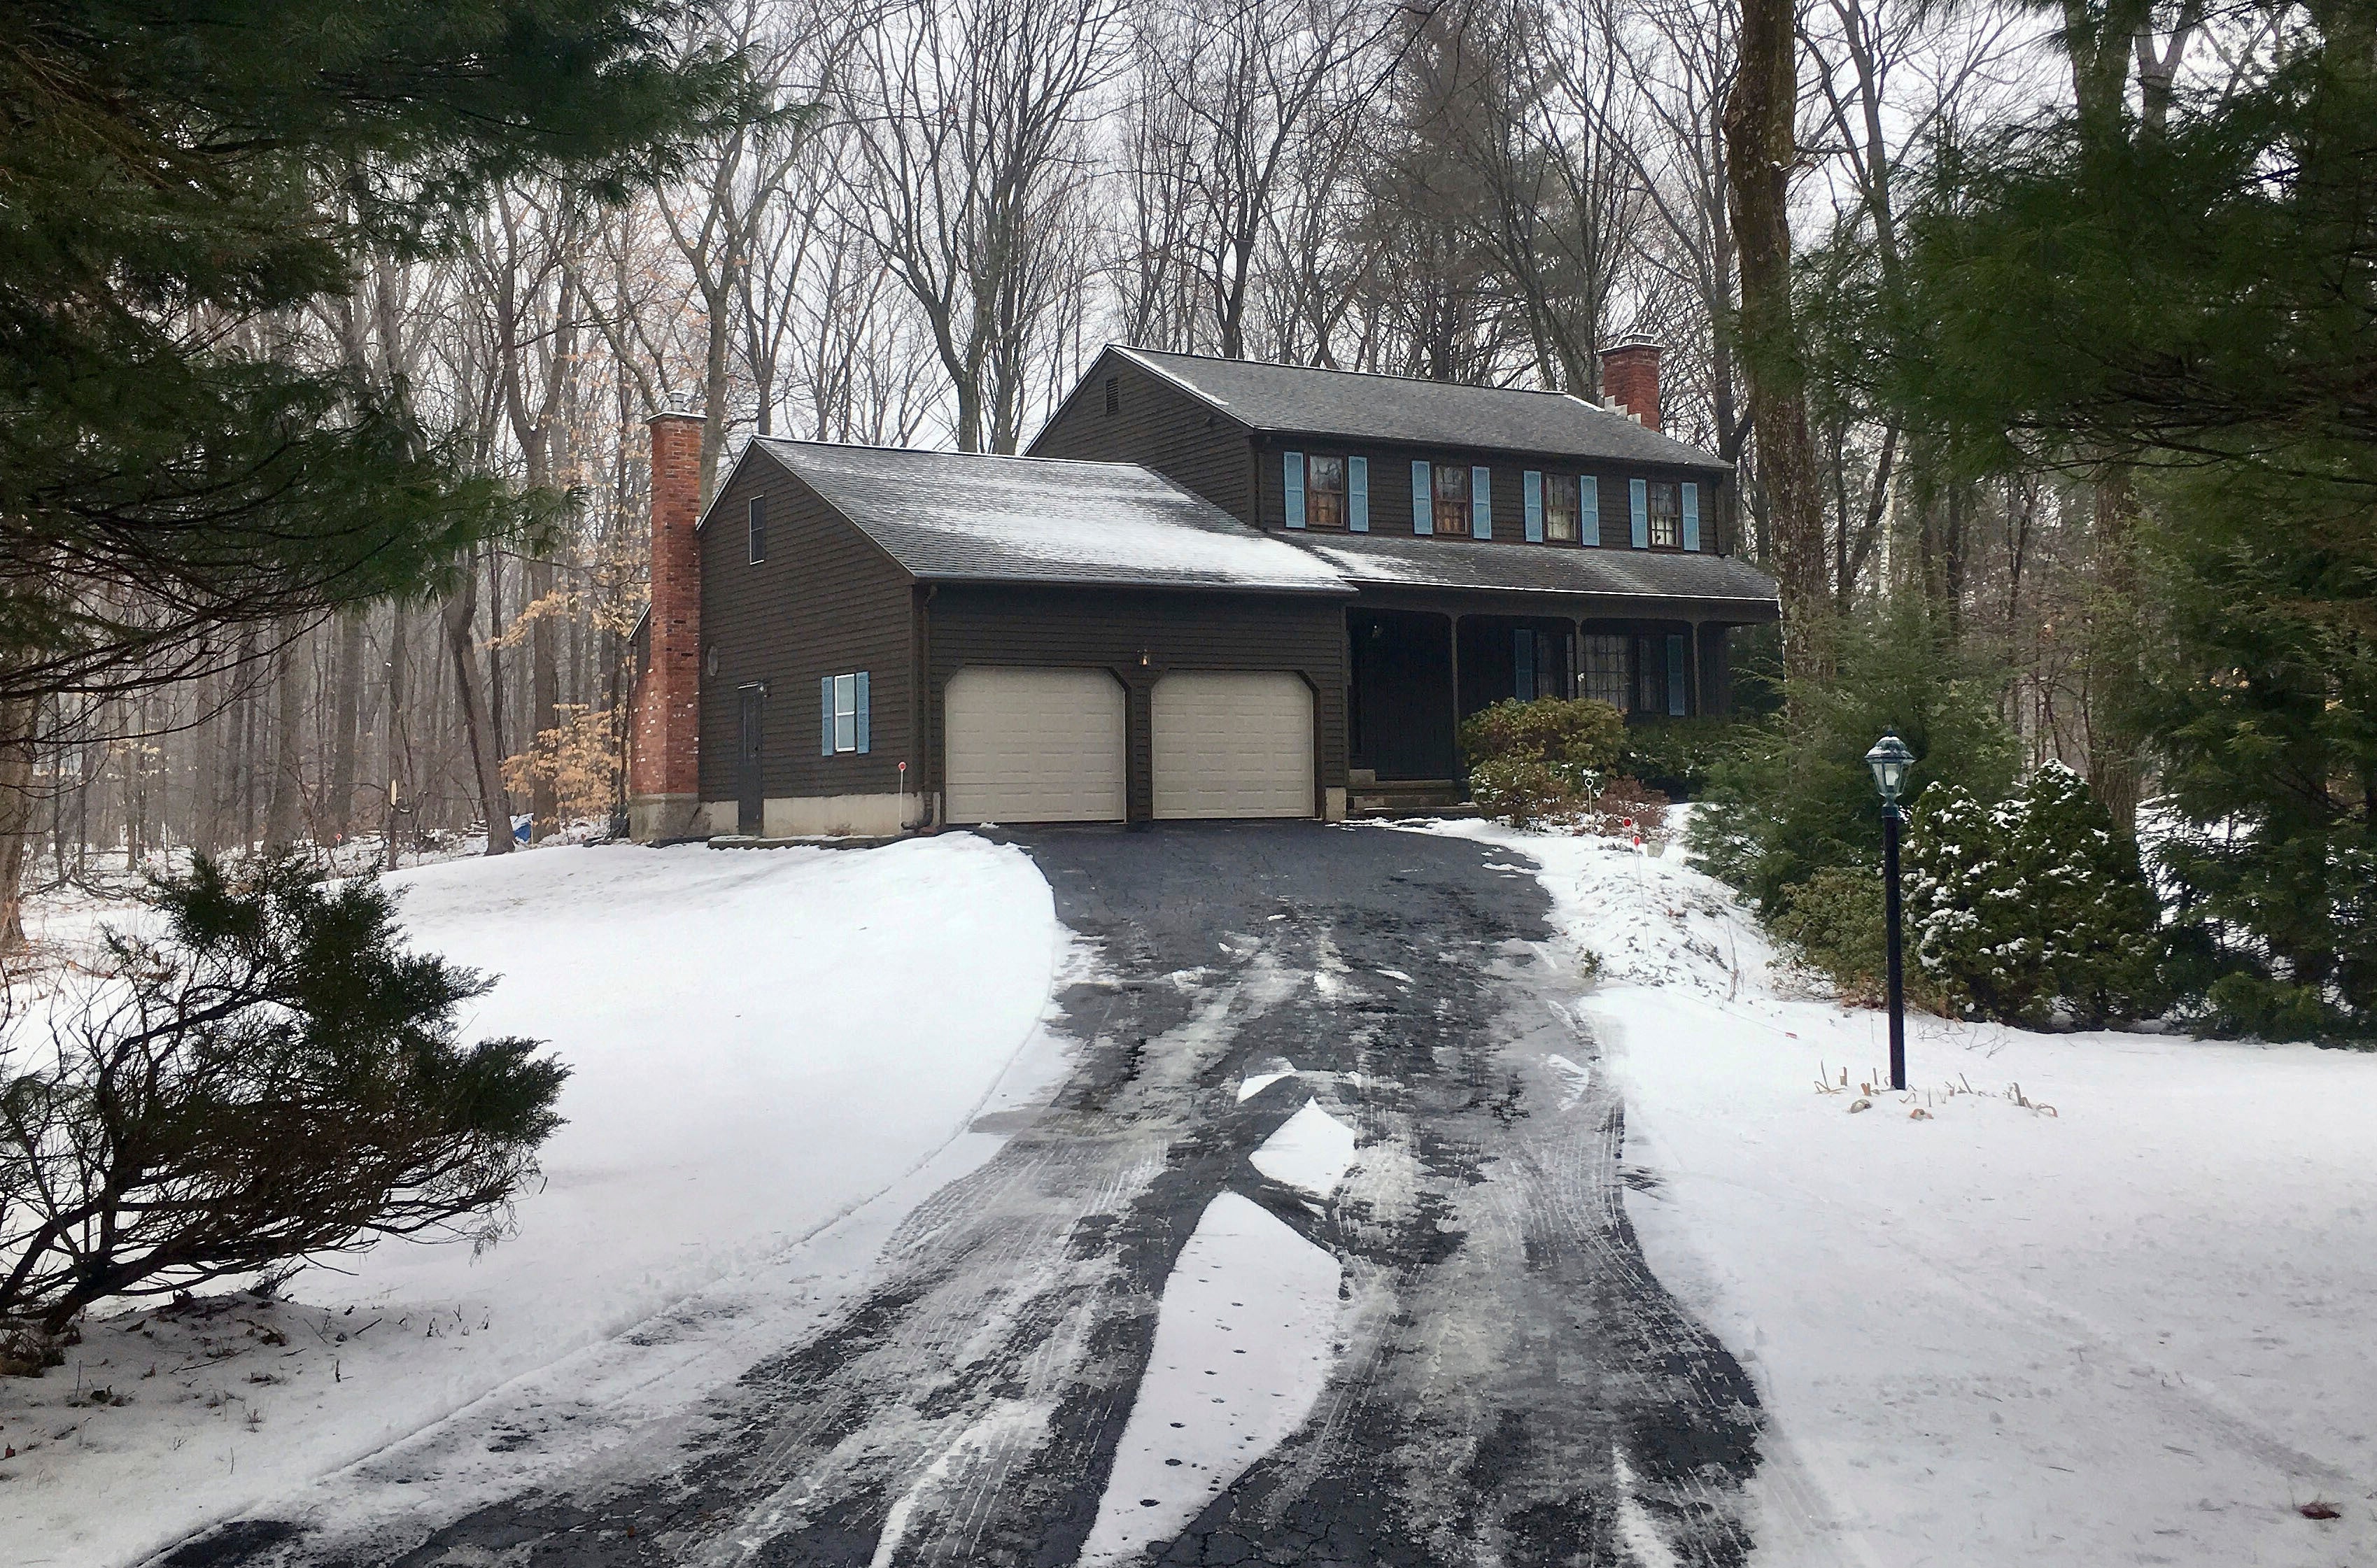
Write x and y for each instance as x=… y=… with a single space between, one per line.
x=1417 y=668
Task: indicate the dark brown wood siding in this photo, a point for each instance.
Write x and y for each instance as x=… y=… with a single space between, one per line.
x=1159 y=427
x=825 y=601
x=1112 y=629
x=1391 y=488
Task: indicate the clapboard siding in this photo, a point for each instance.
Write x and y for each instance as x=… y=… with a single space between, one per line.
x=1158 y=426
x=825 y=601
x=1110 y=629
x=1391 y=488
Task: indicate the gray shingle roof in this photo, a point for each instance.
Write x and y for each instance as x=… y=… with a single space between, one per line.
x=1296 y=400
x=957 y=516
x=1389 y=560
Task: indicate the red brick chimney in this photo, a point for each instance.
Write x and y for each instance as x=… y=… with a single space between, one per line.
x=1630 y=379
x=664 y=730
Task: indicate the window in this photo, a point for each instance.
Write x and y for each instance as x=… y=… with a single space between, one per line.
x=1114 y=396
x=1605 y=671
x=1452 y=510
x=1559 y=508
x=844 y=704
x=1667 y=509
x=1650 y=675
x=759 y=528
x=1324 y=491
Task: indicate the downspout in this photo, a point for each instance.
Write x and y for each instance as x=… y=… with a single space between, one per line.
x=928 y=753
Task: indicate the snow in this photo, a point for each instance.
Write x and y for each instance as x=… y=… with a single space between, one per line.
x=1244 y=1341
x=1252 y=1086
x=2131 y=1330
x=1312 y=1151
x=775 y=1054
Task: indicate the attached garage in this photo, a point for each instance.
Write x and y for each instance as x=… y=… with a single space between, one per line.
x=1233 y=744
x=1035 y=746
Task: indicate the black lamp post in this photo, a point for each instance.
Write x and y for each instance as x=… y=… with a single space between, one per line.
x=1889 y=760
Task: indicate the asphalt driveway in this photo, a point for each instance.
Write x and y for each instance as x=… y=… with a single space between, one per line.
x=1512 y=1385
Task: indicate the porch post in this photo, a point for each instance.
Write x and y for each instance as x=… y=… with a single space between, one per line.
x=1692 y=675
x=1453 y=620
x=1576 y=658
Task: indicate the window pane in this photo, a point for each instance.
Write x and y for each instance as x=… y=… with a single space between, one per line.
x=1666 y=514
x=846 y=713
x=1559 y=508
x=1650 y=675
x=1324 y=492
x=1605 y=670
x=1452 y=499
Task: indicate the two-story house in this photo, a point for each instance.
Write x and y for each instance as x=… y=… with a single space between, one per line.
x=1214 y=588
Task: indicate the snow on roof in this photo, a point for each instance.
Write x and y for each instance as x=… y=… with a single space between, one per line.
x=1358 y=405
x=1409 y=561
x=964 y=516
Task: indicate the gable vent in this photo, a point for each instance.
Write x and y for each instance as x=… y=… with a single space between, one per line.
x=1113 y=395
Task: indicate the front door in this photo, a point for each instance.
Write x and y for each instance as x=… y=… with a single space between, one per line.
x=749 y=799
x=1402 y=693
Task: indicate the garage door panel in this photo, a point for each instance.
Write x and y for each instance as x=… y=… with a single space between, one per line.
x=1233 y=744
x=1034 y=746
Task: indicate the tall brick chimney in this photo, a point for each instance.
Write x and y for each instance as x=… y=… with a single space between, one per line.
x=1630 y=379
x=664 y=730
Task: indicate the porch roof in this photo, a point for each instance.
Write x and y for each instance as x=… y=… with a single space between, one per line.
x=1390 y=561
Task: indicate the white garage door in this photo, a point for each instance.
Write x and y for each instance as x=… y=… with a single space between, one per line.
x=1233 y=745
x=1034 y=746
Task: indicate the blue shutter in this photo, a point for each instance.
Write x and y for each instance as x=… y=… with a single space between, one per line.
x=825 y=698
x=1481 y=502
x=1423 y=500
x=1674 y=678
x=1588 y=509
x=1692 y=517
x=1522 y=661
x=1531 y=485
x=1639 y=492
x=862 y=711
x=1357 y=494
x=1292 y=468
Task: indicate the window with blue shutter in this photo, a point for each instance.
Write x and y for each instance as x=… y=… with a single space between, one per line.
x=1588 y=507
x=1481 y=502
x=1357 y=494
x=1676 y=677
x=848 y=715
x=1692 y=517
x=1637 y=492
x=1293 y=470
x=825 y=703
x=1423 y=497
x=1531 y=490
x=759 y=528
x=1523 y=664
x=863 y=710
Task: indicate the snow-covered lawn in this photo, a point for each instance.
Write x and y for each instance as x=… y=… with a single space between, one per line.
x=2134 y=1328
x=775 y=1054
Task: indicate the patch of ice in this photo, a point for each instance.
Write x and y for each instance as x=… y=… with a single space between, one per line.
x=1396 y=975
x=1311 y=1151
x=1242 y=1348
x=1249 y=1089
x=1579 y=1079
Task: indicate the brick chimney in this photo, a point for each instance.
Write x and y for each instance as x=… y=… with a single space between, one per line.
x=664 y=729
x=1630 y=379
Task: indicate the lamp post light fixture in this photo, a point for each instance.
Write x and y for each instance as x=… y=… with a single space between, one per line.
x=1889 y=760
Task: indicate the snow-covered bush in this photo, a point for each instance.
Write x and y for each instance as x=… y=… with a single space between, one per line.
x=2035 y=907
x=273 y=1078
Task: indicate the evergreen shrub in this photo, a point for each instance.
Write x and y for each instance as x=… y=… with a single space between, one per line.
x=1544 y=760
x=2034 y=909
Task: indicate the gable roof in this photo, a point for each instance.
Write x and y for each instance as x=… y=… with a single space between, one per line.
x=969 y=517
x=1358 y=405
x=1387 y=560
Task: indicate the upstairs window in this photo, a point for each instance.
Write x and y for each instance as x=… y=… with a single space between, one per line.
x=759 y=528
x=1451 y=511
x=1324 y=491
x=1667 y=508
x=1560 y=510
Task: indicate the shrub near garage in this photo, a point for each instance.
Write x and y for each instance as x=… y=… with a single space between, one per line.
x=1530 y=762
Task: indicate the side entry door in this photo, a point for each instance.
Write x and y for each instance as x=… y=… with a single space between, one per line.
x=750 y=732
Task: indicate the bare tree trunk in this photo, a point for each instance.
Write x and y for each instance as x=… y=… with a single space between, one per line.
x=486 y=761
x=1760 y=148
x=392 y=751
x=346 y=709
x=284 y=810
x=16 y=815
x=544 y=691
